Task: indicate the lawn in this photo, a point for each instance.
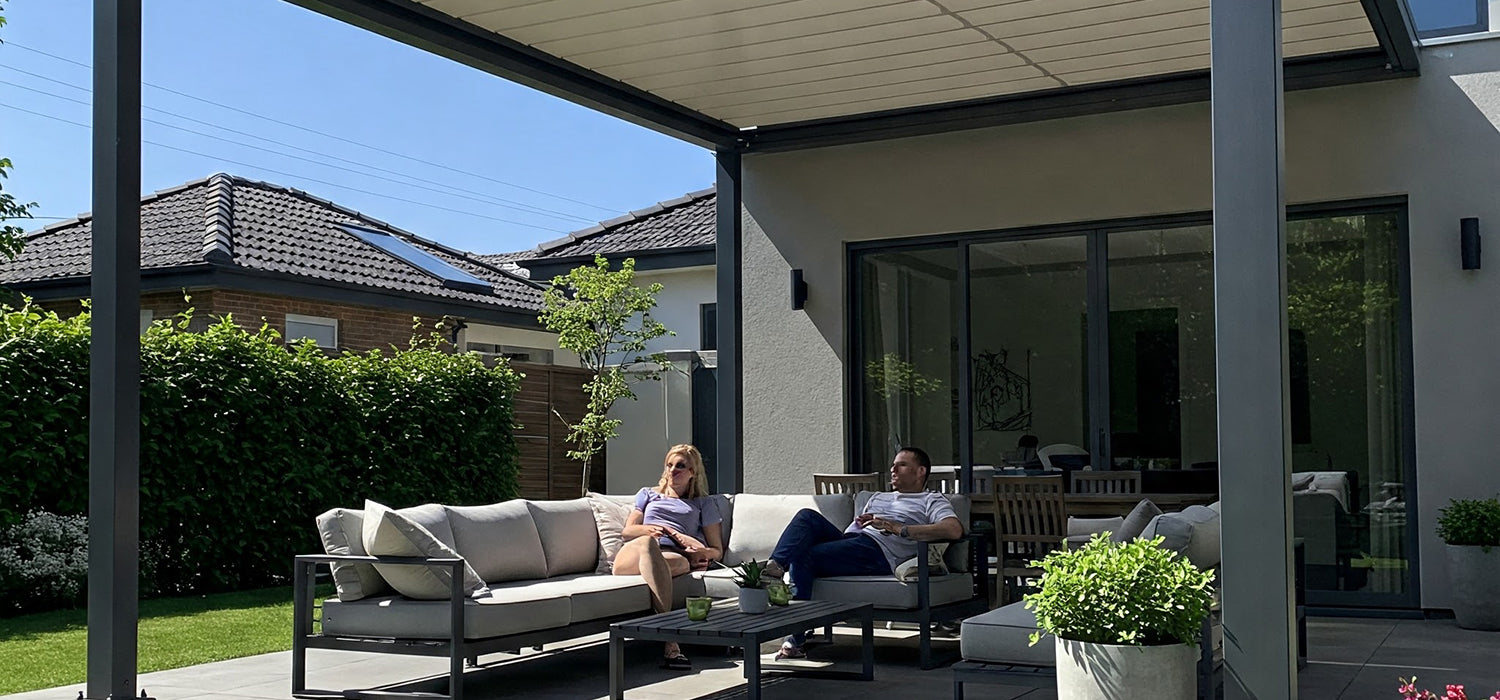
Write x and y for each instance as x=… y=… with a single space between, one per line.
x=48 y=649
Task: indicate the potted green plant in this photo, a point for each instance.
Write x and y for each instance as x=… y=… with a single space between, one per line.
x=750 y=577
x=1126 y=616
x=1471 y=530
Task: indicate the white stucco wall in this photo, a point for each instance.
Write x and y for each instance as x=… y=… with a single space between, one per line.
x=1434 y=139
x=677 y=306
x=661 y=416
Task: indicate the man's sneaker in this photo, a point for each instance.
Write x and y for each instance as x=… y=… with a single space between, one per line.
x=789 y=650
x=773 y=570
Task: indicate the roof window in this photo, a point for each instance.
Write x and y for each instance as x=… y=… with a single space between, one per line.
x=450 y=276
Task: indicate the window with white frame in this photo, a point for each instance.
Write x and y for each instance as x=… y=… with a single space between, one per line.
x=323 y=331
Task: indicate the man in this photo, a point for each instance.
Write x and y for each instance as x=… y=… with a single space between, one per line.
x=880 y=538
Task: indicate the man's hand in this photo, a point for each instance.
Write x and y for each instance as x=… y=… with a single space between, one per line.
x=889 y=527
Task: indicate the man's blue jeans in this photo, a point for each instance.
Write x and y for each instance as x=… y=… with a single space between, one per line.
x=811 y=547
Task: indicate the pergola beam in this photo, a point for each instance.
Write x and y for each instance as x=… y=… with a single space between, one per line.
x=115 y=352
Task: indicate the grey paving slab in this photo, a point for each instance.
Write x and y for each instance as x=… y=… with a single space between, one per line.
x=1349 y=660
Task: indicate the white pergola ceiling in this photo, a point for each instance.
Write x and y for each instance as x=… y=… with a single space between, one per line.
x=766 y=62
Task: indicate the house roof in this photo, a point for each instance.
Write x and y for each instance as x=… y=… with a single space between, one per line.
x=232 y=223
x=686 y=222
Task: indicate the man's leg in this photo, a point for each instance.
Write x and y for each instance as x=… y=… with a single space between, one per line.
x=853 y=554
x=807 y=529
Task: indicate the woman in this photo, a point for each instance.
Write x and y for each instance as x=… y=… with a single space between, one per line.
x=674 y=529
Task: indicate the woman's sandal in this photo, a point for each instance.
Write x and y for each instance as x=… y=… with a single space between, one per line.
x=676 y=662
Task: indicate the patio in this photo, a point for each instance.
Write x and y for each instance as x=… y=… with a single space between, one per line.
x=1348 y=658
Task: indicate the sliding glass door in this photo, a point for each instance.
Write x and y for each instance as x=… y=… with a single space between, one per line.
x=1101 y=339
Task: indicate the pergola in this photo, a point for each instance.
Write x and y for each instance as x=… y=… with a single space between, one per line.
x=753 y=76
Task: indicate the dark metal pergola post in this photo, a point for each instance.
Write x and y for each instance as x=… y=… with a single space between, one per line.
x=728 y=476
x=114 y=354
x=1251 y=346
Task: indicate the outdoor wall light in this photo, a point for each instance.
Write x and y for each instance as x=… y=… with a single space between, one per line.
x=799 y=290
x=1468 y=241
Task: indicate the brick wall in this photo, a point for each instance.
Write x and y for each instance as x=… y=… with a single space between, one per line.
x=360 y=327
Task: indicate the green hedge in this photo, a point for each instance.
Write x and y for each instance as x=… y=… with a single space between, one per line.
x=244 y=441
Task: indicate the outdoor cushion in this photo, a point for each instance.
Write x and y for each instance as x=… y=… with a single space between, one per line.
x=716 y=583
x=1193 y=533
x=1003 y=636
x=499 y=540
x=1136 y=522
x=391 y=533
x=592 y=596
x=609 y=520
x=766 y=516
x=1090 y=526
x=502 y=613
x=569 y=536
x=889 y=594
x=342 y=532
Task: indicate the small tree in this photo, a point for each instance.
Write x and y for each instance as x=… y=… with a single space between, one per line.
x=605 y=318
x=10 y=236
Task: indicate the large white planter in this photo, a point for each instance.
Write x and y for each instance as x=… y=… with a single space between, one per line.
x=1087 y=671
x=1474 y=573
x=754 y=600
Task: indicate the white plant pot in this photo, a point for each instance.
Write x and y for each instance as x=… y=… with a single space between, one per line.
x=1088 y=671
x=1474 y=572
x=754 y=600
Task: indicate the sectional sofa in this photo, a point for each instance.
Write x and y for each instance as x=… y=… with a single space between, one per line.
x=463 y=581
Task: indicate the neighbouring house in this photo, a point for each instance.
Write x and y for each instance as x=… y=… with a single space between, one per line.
x=309 y=268
x=672 y=243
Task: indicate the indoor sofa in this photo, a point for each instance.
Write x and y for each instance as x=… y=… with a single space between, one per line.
x=463 y=581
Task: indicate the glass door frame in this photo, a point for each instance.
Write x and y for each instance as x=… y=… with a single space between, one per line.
x=1096 y=235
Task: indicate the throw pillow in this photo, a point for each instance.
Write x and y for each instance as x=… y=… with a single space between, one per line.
x=907 y=570
x=1090 y=526
x=609 y=517
x=342 y=532
x=1136 y=522
x=389 y=533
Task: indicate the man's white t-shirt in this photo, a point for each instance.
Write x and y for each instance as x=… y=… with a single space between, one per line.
x=922 y=508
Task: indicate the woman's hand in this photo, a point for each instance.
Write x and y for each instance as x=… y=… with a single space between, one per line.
x=686 y=542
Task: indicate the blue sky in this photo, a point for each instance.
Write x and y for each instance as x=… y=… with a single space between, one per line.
x=381 y=107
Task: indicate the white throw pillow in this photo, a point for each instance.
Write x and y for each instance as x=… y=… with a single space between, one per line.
x=610 y=518
x=907 y=570
x=389 y=533
x=342 y=532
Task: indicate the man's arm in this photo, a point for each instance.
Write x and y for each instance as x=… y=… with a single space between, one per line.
x=945 y=529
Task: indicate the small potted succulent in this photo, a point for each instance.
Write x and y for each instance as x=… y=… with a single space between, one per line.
x=750 y=577
x=1471 y=530
x=1127 y=618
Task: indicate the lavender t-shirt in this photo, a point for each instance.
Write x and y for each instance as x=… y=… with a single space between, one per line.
x=685 y=515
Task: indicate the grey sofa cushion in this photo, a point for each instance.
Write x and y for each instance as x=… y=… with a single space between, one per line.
x=1002 y=636
x=591 y=596
x=1136 y=521
x=569 y=536
x=716 y=583
x=1193 y=533
x=342 y=532
x=763 y=517
x=1089 y=526
x=499 y=540
x=500 y=613
x=393 y=533
x=889 y=594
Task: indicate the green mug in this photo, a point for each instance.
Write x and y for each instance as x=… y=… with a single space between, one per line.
x=779 y=593
x=697 y=608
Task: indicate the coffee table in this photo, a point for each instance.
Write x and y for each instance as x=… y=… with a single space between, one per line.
x=726 y=626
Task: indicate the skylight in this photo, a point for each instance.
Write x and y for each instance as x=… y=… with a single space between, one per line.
x=451 y=277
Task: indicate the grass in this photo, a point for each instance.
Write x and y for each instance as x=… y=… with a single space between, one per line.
x=47 y=650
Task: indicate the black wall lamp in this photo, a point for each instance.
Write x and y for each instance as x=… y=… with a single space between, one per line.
x=1468 y=241
x=799 y=290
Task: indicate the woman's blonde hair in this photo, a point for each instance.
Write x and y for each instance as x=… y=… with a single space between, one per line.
x=698 y=487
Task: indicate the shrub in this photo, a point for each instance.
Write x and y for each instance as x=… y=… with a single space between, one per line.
x=45 y=555
x=1133 y=593
x=1470 y=522
x=244 y=440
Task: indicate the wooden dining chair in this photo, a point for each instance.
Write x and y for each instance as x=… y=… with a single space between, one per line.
x=1030 y=521
x=1123 y=481
x=943 y=482
x=845 y=483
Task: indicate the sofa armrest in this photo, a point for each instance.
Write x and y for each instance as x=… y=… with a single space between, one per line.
x=978 y=570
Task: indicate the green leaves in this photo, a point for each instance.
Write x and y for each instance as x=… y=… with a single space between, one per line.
x=244 y=440
x=1470 y=522
x=606 y=319
x=1121 y=593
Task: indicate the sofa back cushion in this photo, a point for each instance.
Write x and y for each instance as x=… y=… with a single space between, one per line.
x=499 y=540
x=1193 y=533
x=760 y=519
x=398 y=534
x=569 y=536
x=342 y=532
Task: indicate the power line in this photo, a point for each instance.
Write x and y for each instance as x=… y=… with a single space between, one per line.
x=294 y=175
x=482 y=197
x=327 y=135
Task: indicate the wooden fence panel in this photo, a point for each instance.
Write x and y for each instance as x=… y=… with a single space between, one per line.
x=546 y=471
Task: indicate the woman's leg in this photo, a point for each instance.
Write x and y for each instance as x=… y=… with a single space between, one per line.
x=643 y=556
